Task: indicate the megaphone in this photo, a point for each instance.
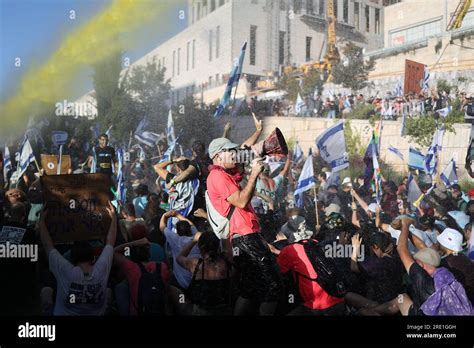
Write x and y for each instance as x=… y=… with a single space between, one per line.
x=274 y=144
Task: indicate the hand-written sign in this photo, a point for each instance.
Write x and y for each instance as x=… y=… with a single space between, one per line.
x=76 y=206
x=50 y=164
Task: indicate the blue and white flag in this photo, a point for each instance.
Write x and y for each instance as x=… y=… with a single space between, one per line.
x=431 y=158
x=347 y=103
x=426 y=79
x=395 y=151
x=170 y=136
x=332 y=147
x=297 y=153
x=449 y=175
x=233 y=81
x=94 y=161
x=96 y=130
x=416 y=159
x=168 y=153
x=299 y=105
x=107 y=132
x=7 y=163
x=184 y=201
x=444 y=111
x=121 y=189
x=59 y=138
x=398 y=92
x=26 y=157
x=305 y=182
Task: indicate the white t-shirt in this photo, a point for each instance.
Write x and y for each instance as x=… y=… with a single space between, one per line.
x=396 y=234
x=176 y=244
x=88 y=289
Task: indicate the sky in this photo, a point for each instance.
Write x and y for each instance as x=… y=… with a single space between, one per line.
x=31 y=30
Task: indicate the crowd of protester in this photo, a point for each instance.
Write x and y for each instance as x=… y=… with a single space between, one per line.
x=341 y=253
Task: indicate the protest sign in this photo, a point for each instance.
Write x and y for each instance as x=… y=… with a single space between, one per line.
x=50 y=164
x=76 y=206
x=12 y=234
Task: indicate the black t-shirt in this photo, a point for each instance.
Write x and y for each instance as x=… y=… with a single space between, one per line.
x=105 y=159
x=421 y=285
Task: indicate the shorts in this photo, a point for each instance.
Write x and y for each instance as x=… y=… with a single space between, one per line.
x=260 y=279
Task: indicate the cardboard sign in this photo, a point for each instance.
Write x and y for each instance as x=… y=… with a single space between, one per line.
x=50 y=164
x=414 y=73
x=11 y=234
x=76 y=206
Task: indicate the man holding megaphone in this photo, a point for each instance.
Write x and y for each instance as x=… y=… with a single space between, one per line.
x=260 y=280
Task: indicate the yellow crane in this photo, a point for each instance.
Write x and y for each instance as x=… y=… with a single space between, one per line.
x=456 y=19
x=332 y=54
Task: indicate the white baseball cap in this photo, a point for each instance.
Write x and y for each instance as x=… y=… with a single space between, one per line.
x=346 y=180
x=451 y=239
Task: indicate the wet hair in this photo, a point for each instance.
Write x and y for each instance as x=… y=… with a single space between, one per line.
x=183 y=228
x=103 y=135
x=209 y=244
x=129 y=209
x=183 y=165
x=199 y=148
x=82 y=251
x=382 y=240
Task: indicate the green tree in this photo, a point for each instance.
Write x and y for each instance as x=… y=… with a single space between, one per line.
x=352 y=71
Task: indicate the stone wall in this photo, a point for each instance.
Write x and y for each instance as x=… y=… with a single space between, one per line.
x=305 y=131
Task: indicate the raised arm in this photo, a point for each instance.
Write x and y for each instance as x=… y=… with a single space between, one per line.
x=285 y=169
x=182 y=258
x=164 y=219
x=254 y=137
x=402 y=246
x=184 y=175
x=112 y=234
x=241 y=198
x=355 y=253
x=355 y=218
x=359 y=200
x=160 y=168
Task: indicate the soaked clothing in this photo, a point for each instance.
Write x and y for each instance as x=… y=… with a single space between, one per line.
x=260 y=279
x=105 y=159
x=210 y=296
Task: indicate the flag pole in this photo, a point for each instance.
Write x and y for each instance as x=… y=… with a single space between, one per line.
x=316 y=204
x=37 y=166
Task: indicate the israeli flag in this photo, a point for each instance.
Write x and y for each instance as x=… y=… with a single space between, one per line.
x=444 y=111
x=414 y=192
x=184 y=201
x=449 y=175
x=426 y=79
x=169 y=152
x=7 y=163
x=26 y=157
x=233 y=81
x=398 y=92
x=170 y=129
x=431 y=158
x=121 y=189
x=305 y=181
x=299 y=105
x=395 y=151
x=297 y=153
x=332 y=147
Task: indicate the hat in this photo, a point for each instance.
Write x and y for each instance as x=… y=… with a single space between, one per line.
x=451 y=239
x=219 y=144
x=428 y=256
x=372 y=207
x=346 y=181
x=295 y=229
x=332 y=208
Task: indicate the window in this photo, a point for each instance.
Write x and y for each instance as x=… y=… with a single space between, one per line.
x=309 y=7
x=321 y=8
x=367 y=19
x=345 y=11
x=187 y=55
x=253 y=44
x=282 y=5
x=179 y=59
x=377 y=21
x=221 y=2
x=335 y=8
x=194 y=52
x=297 y=6
x=356 y=16
x=281 y=48
x=213 y=5
x=210 y=45
x=418 y=32
x=199 y=11
x=174 y=62
x=308 y=48
x=218 y=34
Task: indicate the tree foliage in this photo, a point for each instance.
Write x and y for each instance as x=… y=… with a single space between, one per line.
x=352 y=70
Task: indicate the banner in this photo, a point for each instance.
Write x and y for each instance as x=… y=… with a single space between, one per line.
x=59 y=138
x=76 y=206
x=332 y=147
x=50 y=164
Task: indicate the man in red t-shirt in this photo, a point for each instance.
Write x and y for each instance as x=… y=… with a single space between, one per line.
x=260 y=280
